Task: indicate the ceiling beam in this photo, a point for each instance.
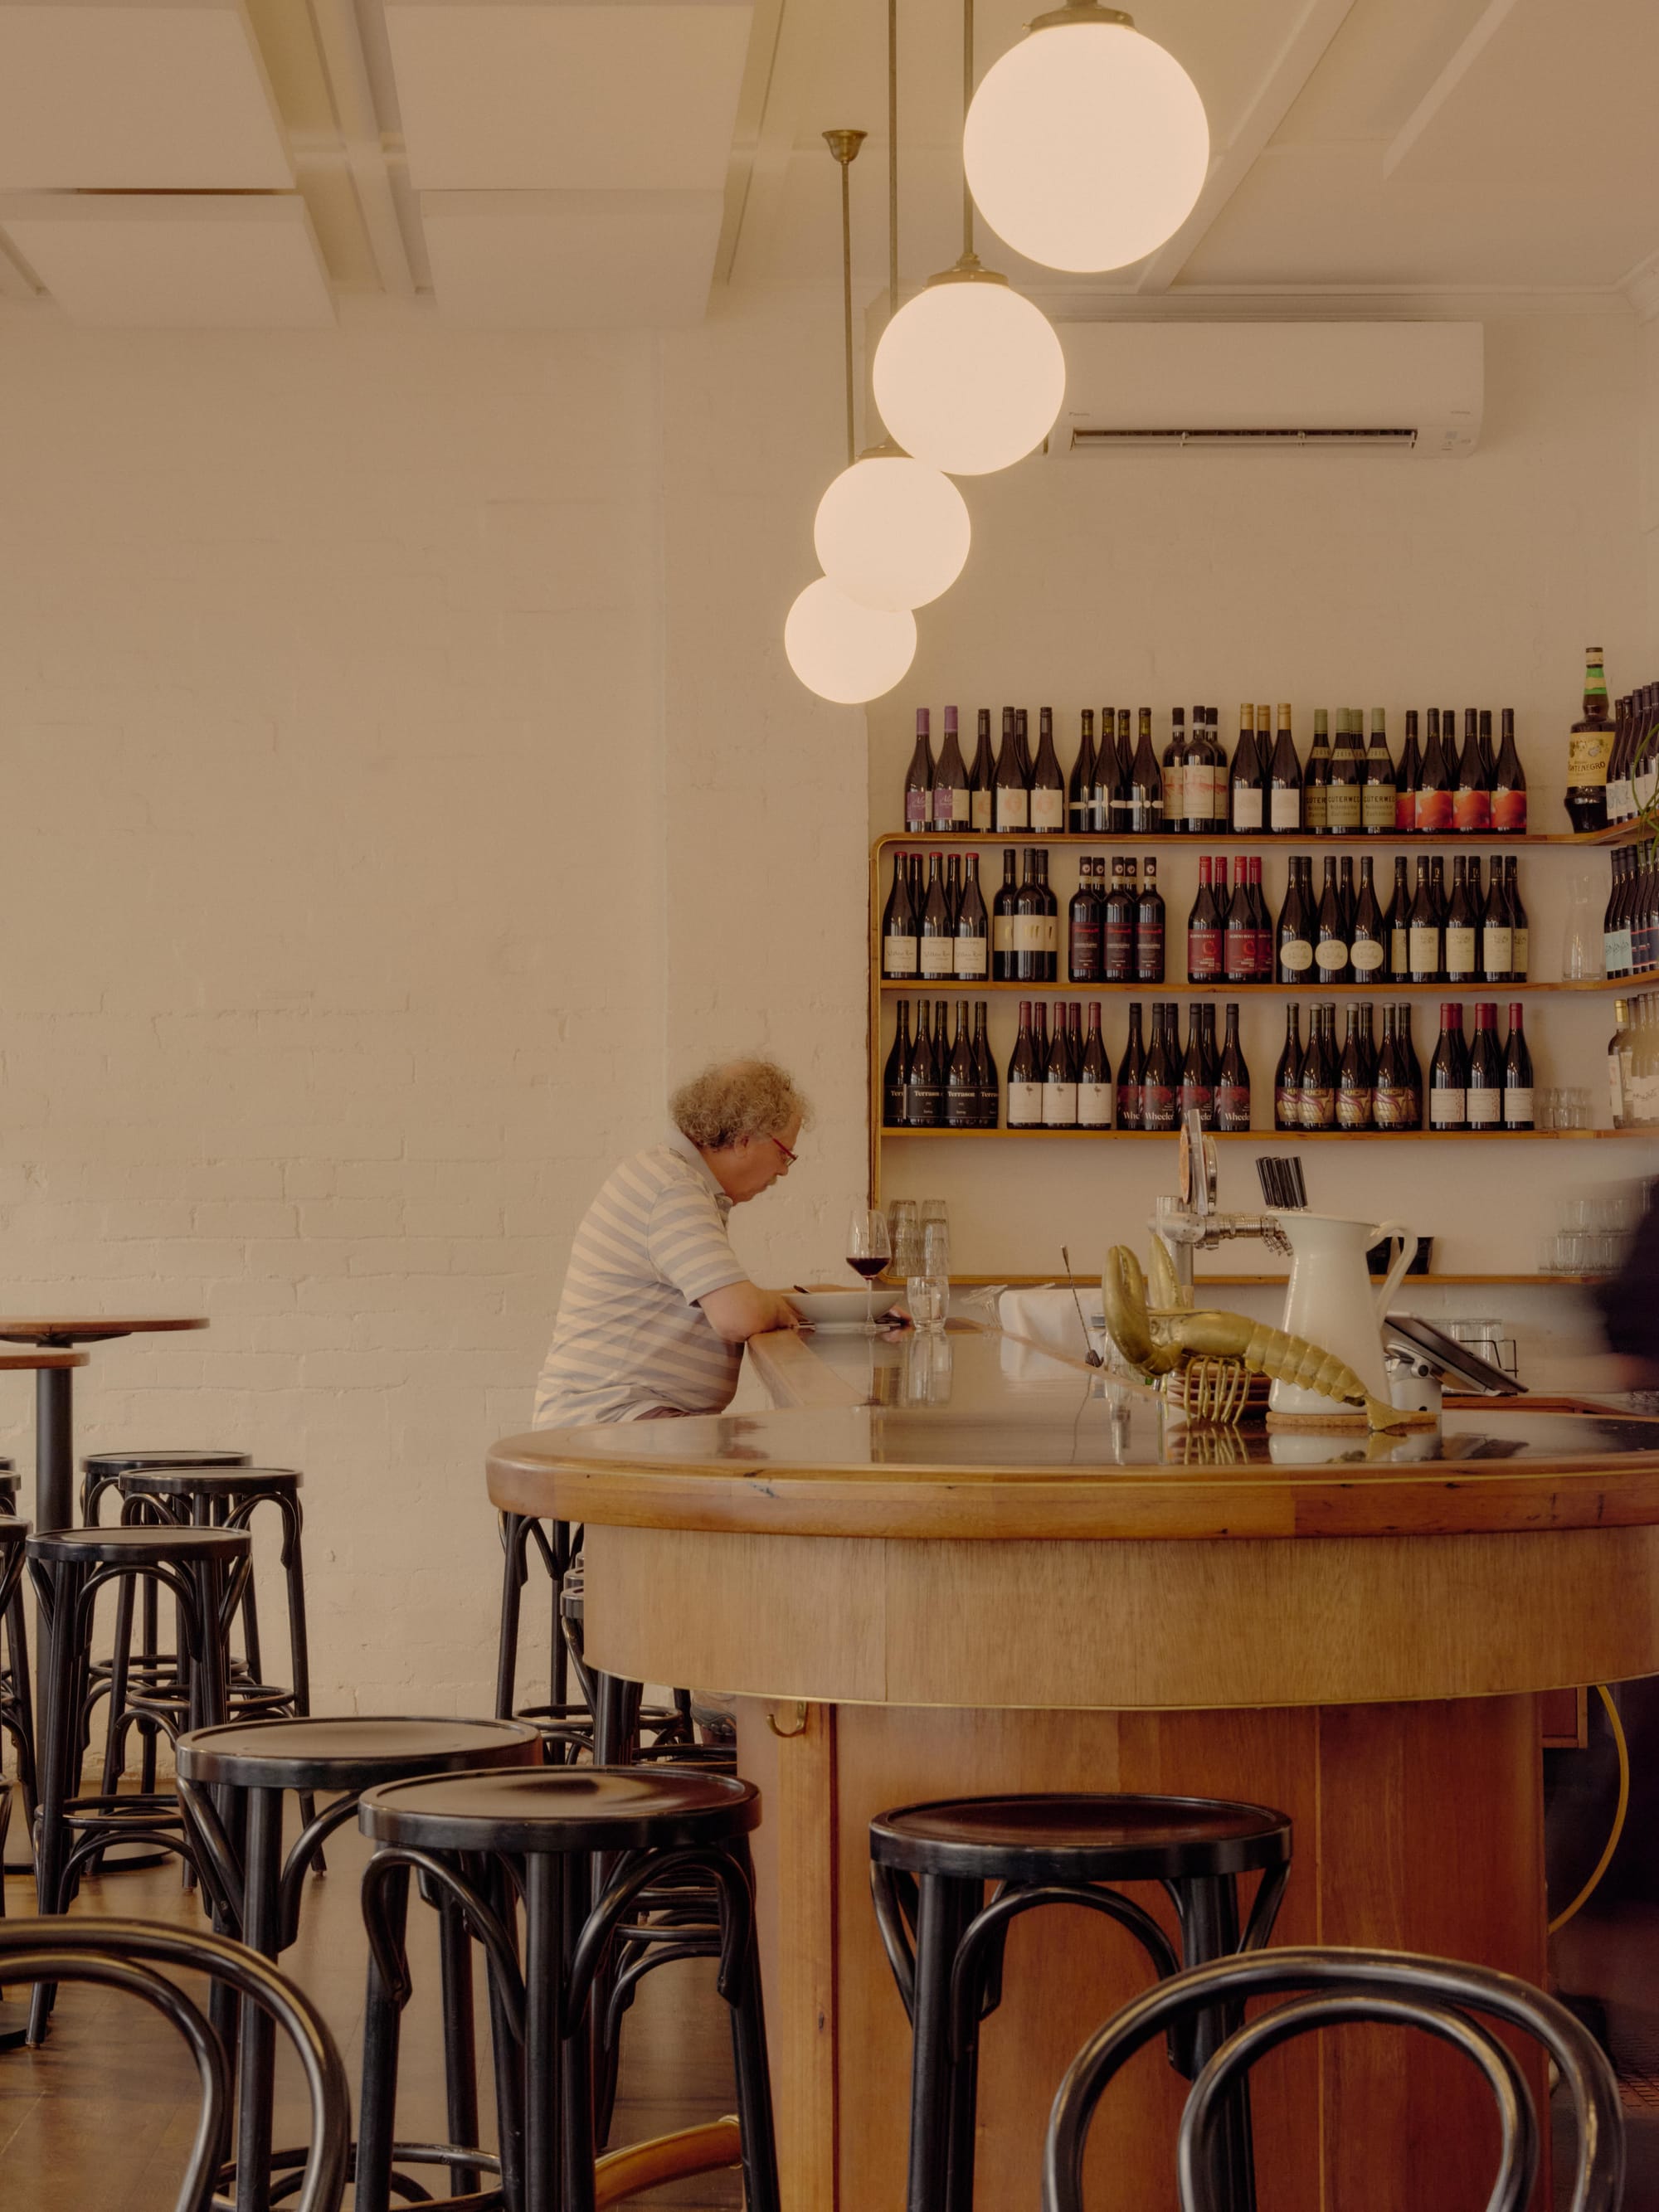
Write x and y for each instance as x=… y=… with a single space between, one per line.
x=338 y=37
x=782 y=69
x=1484 y=28
x=1299 y=55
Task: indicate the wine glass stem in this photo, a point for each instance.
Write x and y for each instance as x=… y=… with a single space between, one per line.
x=869 y=1307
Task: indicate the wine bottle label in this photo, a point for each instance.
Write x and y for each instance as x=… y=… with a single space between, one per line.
x=1342 y=807
x=1296 y=954
x=898 y=956
x=1587 y=756
x=1617 y=950
x=916 y=809
x=950 y=807
x=1367 y=955
x=1094 y=1105
x=1120 y=951
x=1059 y=1105
x=1459 y=951
x=1149 y=953
x=1013 y=808
x=1393 y=1107
x=1199 y=1095
x=1405 y=811
x=1447 y=1110
x=1047 y=810
x=1332 y=955
x=939 y=957
x=1517 y=1107
x=961 y=1106
x=1423 y=939
x=1199 y=787
x=1285 y=810
x=1247 y=808
x=1434 y=811
x=1318 y=1107
x=981 y=811
x=1496 y=952
x=1232 y=1105
x=1518 y=973
x=1647 y=782
x=1175 y=795
x=1316 y=806
x=1353 y=1108
x=1002 y=932
x=1025 y=1105
x=1486 y=1106
x=1400 y=951
x=1376 y=806
x=1615 y=1089
x=1051 y=933
x=1157 y=1106
x=1472 y=810
x=922 y=1105
x=1030 y=933
x=1287 y=1107
x=1621 y=799
x=1128 y=1106
x=1203 y=955
x=971 y=959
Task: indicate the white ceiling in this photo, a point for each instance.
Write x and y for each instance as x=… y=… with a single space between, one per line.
x=561 y=163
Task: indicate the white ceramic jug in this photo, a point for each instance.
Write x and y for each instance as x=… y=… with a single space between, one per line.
x=1331 y=1303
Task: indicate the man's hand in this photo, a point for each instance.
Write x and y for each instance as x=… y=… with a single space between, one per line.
x=745 y=1309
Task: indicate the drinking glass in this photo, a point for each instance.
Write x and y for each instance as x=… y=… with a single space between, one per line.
x=868 y=1250
x=906 y=1249
x=929 y=1299
x=935 y=1249
x=1582 y=940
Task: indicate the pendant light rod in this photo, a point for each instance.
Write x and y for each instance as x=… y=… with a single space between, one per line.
x=892 y=159
x=967 y=102
x=844 y=145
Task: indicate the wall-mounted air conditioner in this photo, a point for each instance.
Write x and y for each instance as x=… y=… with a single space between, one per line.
x=1391 y=387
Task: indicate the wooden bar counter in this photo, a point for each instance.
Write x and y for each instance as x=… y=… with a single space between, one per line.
x=968 y=1567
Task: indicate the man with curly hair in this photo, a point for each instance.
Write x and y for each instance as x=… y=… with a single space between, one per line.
x=656 y=1308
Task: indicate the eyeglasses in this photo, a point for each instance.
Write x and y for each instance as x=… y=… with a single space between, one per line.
x=788 y=1156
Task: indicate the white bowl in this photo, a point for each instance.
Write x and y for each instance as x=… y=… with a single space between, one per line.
x=839 y=1308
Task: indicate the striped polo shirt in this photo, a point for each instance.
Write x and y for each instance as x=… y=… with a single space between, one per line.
x=630 y=1337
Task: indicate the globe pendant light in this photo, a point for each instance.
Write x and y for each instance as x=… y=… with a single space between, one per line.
x=968 y=375
x=1087 y=144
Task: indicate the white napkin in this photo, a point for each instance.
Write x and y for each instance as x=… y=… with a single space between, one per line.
x=1047 y=1319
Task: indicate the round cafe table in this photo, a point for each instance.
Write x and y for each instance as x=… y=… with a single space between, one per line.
x=54 y=1410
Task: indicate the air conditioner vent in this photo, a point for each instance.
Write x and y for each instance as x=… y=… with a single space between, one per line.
x=1095 y=440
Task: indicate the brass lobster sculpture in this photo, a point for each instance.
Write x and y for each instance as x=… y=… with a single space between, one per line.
x=1156 y=1340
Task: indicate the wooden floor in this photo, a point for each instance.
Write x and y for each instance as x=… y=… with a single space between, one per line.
x=102 y=2115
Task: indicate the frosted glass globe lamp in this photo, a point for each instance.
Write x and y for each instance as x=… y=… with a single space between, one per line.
x=891 y=532
x=968 y=375
x=1086 y=145
x=845 y=652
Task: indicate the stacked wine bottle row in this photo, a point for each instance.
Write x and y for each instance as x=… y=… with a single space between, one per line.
x=1065 y=1080
x=1615 y=756
x=1114 y=928
x=1630 y=928
x=1122 y=785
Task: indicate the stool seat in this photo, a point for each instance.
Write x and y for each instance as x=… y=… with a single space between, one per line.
x=131 y=1463
x=1078 y=1837
x=116 y=1546
x=349 y=1753
x=554 y=1808
x=210 y=1481
x=11 y=1528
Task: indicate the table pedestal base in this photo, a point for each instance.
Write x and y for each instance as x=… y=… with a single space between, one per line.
x=1416 y=1827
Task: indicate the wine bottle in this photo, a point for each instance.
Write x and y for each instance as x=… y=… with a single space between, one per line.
x=1620 y=788
x=1081 y=783
x=1247 y=780
x=1084 y=925
x=1122 y=820
x=899 y=925
x=1409 y=780
x=1050 y=922
x=1284 y=781
x=1197 y=1089
x=1232 y=1086
x=1048 y=784
x=1484 y=1103
x=1459 y=954
x=1028 y=920
x=1368 y=936
x=1509 y=784
x=981 y=778
x=1203 y=933
x=1423 y=930
x=896 y=1073
x=937 y=934
x=1615 y=920
x=1517 y=1073
x=1410 y=1064
x=1587 y=746
x=1617 y=1050
x=1174 y=773
x=1520 y=967
x=1163 y=1070
x=1100 y=823
x=1132 y=1075
x=1148 y=925
x=1390 y=1091
x=1342 y=798
x=1295 y=928
x=1644 y=749
x=1145 y=782
x=923 y=1106
x=1002 y=925
x=985 y=1072
x=1398 y=926
x=1497 y=938
x=1025 y=1078
x=1378 y=801
x=919 y=781
x=1488 y=759
x=1316 y=780
x=1022 y=751
x=1319 y=1071
x=1011 y=800
x=1287 y=1076
x=953 y=889
x=1060 y=1079
x=1118 y=929
x=1345 y=891
x=1238 y=944
x=1330 y=932
x=952 y=806
x=1262 y=967
x=1094 y=1078
x=960 y=1081
x=1353 y=1079
x=972 y=943
x=1200 y=783
x=1448 y=1072
x=1471 y=793
x=1434 y=794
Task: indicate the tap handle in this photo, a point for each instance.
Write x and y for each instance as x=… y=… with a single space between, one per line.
x=1198 y=1166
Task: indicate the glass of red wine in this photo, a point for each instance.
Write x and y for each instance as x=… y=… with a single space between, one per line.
x=867 y=1254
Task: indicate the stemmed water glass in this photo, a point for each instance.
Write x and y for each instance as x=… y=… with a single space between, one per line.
x=867 y=1253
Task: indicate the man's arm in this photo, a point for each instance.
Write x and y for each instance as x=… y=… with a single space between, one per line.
x=741 y=1310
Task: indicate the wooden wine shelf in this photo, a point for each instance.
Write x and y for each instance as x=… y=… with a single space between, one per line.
x=1278 y=1282
x=1264 y=841
x=1284 y=1136
x=953 y=987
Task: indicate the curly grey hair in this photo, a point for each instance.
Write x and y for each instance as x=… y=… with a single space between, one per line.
x=741 y=1098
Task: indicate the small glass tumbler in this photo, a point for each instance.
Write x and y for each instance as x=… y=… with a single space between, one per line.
x=929 y=1298
x=935 y=1249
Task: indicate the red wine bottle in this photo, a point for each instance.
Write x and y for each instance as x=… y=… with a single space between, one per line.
x=1024 y=1076
x=1232 y=1088
x=1423 y=930
x=923 y=1105
x=973 y=943
x=1146 y=783
x=1460 y=954
x=1238 y=946
x=1094 y=1078
x=1391 y=1096
x=896 y=1073
x=1148 y=924
x=953 y=804
x=1497 y=937
x=919 y=781
x=1080 y=785
x=1132 y=1075
x=1262 y=967
x=1011 y=799
x=1247 y=782
x=1353 y=1079
x=1174 y=773
x=1378 y=801
x=1472 y=795
x=1030 y=926
x=1509 y=784
x=1086 y=920
x=1485 y=1104
x=1163 y=1070
x=1108 y=774
x=1002 y=925
x=1409 y=1060
x=1368 y=936
x=899 y=925
x=985 y=1070
x=1449 y=1073
x=1294 y=933
x=1284 y=781
x=1330 y=930
x=1204 y=931
x=1287 y=1076
x=1197 y=1086
x=936 y=933
x=961 y=1077
x=1118 y=932
x=1517 y=1074
x=1059 y=1078
x=1409 y=780
x=1434 y=796
x=982 y=805
x=1048 y=785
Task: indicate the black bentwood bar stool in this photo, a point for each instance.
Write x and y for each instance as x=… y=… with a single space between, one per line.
x=485 y=1840
x=928 y=1868
x=203 y=1570
x=1326 y=1989
x=16 y=1692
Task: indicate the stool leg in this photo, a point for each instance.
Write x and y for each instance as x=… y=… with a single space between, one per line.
x=558 y=1680
x=149 y=1647
x=943 y=1911
x=22 y=1693
x=544 y=2121
x=508 y=2051
x=120 y=1658
x=507 y=1645
x=755 y=2124
x=58 y=1615
x=377 y=2099
x=262 y=1864
x=1209 y=1931
x=460 y=2054
x=576 y=2049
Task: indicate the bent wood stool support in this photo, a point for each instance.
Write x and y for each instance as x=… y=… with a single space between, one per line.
x=16 y=1692
x=929 y=1865
x=483 y=1839
x=232 y=1782
x=203 y=1570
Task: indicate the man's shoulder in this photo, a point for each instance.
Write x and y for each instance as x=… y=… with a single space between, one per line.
x=645 y=1176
